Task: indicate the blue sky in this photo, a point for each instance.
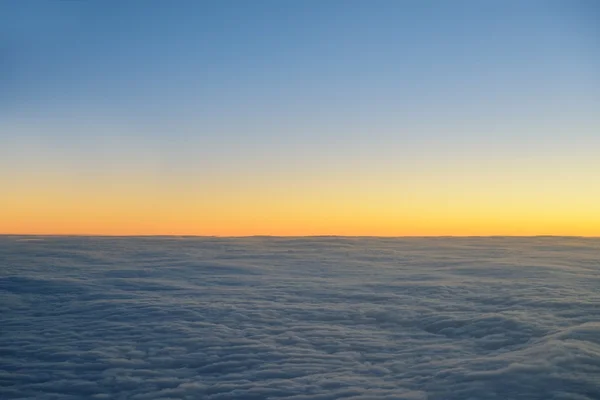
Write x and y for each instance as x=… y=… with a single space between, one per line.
x=294 y=86
x=268 y=63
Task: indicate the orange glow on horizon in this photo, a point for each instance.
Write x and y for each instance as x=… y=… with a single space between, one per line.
x=431 y=203
x=288 y=219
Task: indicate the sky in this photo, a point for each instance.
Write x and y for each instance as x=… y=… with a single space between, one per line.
x=233 y=118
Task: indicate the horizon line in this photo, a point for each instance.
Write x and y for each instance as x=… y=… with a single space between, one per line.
x=295 y=236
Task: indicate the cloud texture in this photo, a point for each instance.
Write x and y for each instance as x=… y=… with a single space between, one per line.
x=299 y=318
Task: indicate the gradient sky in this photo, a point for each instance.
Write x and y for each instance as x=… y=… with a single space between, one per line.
x=300 y=117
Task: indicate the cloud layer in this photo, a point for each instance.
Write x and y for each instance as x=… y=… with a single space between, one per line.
x=300 y=319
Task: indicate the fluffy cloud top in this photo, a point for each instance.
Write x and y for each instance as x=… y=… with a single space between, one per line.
x=299 y=319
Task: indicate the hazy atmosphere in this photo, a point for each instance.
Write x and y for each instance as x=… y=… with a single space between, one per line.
x=300 y=200
x=300 y=117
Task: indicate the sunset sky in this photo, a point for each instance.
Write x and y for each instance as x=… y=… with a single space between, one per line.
x=308 y=117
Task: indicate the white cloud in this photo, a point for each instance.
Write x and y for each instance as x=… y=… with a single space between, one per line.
x=300 y=319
